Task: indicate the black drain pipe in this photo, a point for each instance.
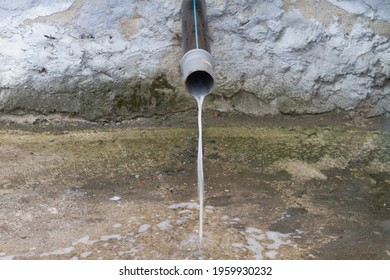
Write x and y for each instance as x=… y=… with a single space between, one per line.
x=197 y=63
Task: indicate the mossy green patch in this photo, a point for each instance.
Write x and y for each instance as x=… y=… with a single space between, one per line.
x=144 y=97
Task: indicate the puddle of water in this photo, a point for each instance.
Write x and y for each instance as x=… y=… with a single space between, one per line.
x=7 y=258
x=257 y=243
x=263 y=244
x=165 y=225
x=85 y=254
x=251 y=242
x=85 y=240
x=188 y=205
x=112 y=236
x=143 y=228
x=63 y=251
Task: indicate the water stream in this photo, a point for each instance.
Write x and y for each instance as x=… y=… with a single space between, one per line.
x=199 y=100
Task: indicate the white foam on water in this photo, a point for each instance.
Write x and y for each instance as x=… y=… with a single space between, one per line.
x=188 y=205
x=238 y=245
x=165 y=225
x=255 y=247
x=53 y=210
x=189 y=241
x=184 y=211
x=143 y=228
x=63 y=251
x=7 y=258
x=271 y=254
x=265 y=244
x=183 y=220
x=253 y=230
x=85 y=254
x=132 y=252
x=278 y=239
x=85 y=240
x=112 y=236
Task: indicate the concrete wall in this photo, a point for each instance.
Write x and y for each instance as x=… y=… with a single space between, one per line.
x=117 y=59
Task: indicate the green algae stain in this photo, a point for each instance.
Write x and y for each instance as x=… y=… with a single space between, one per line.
x=263 y=146
x=118 y=152
x=144 y=97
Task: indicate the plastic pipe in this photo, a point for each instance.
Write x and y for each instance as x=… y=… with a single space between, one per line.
x=197 y=63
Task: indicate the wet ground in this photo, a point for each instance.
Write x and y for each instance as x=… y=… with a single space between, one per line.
x=314 y=187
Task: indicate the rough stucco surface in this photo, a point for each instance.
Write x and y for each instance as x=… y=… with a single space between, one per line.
x=116 y=59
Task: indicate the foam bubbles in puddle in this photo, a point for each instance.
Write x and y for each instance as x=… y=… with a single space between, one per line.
x=63 y=251
x=188 y=205
x=85 y=240
x=264 y=244
x=115 y=198
x=165 y=225
x=112 y=236
x=143 y=228
x=185 y=210
x=138 y=240
x=85 y=254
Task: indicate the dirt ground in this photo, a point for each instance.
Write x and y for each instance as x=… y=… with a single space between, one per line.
x=312 y=187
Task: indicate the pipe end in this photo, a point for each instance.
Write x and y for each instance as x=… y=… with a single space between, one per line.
x=197 y=69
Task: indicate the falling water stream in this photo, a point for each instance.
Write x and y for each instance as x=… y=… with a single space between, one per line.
x=199 y=100
x=197 y=69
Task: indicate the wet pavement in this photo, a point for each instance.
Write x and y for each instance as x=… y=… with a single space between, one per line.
x=313 y=187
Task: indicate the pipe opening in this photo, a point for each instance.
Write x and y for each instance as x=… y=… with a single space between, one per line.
x=197 y=69
x=199 y=83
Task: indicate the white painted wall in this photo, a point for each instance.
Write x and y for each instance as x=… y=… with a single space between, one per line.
x=90 y=57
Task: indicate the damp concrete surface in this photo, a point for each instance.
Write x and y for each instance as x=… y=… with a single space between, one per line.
x=283 y=187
